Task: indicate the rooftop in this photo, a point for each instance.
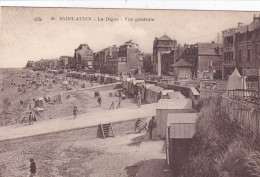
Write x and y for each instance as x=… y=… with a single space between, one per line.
x=165 y=38
x=182 y=63
x=243 y=28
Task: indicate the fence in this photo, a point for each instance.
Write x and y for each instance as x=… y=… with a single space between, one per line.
x=247 y=116
x=250 y=96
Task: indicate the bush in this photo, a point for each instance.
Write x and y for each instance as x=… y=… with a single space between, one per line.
x=220 y=146
x=240 y=161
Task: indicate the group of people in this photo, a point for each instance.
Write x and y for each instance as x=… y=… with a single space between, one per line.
x=140 y=125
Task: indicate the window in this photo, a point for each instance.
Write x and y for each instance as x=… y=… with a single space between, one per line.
x=228 y=57
x=229 y=41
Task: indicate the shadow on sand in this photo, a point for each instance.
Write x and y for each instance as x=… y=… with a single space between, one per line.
x=151 y=168
x=139 y=139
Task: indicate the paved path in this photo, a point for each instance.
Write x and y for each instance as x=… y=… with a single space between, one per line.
x=82 y=121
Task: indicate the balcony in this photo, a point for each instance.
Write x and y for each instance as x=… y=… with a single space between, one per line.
x=229 y=63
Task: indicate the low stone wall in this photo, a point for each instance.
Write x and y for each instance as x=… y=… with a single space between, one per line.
x=106 y=87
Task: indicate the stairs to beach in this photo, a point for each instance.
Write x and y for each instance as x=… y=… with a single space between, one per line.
x=105 y=130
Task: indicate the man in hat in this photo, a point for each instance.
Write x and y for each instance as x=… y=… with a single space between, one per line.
x=151 y=126
x=32 y=167
x=30 y=118
x=75 y=112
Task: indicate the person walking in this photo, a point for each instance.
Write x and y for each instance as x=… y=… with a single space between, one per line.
x=99 y=100
x=75 y=112
x=151 y=126
x=32 y=167
x=139 y=100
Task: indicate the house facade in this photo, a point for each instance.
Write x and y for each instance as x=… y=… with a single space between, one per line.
x=83 y=56
x=205 y=58
x=241 y=47
x=163 y=53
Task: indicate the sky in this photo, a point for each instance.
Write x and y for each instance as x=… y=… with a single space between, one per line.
x=23 y=38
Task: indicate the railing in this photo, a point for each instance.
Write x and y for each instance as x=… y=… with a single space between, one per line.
x=249 y=96
x=247 y=116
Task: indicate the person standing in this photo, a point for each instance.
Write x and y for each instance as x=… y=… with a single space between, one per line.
x=75 y=112
x=30 y=118
x=32 y=167
x=137 y=125
x=139 y=100
x=151 y=126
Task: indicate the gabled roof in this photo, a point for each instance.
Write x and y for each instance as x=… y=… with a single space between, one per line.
x=182 y=63
x=235 y=73
x=80 y=47
x=165 y=38
x=251 y=27
x=155 y=89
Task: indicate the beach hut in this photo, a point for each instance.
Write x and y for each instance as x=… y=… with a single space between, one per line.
x=164 y=85
x=125 y=84
x=98 y=75
x=143 y=91
x=39 y=102
x=64 y=84
x=236 y=82
x=84 y=76
x=194 y=95
x=129 y=84
x=176 y=95
x=116 y=79
x=166 y=106
x=136 y=87
x=106 y=76
x=153 y=94
x=110 y=80
x=165 y=94
x=145 y=86
x=181 y=128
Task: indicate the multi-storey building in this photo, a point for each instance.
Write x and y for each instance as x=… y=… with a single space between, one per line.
x=67 y=62
x=205 y=59
x=105 y=59
x=83 y=56
x=241 y=47
x=163 y=53
x=128 y=57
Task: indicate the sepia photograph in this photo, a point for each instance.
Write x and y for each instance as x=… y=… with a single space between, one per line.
x=103 y=92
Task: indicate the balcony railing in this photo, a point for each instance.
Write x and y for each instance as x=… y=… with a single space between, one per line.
x=229 y=62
